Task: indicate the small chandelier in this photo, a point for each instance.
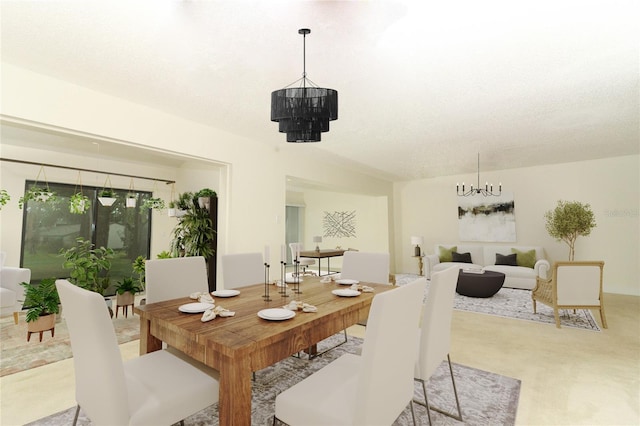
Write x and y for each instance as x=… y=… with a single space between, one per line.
x=304 y=112
x=486 y=191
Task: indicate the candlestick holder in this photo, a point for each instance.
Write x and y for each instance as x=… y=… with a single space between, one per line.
x=296 y=279
x=283 y=283
x=265 y=296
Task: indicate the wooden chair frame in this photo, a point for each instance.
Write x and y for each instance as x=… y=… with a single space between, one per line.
x=546 y=291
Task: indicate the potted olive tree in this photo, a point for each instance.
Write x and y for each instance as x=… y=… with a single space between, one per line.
x=43 y=303
x=568 y=221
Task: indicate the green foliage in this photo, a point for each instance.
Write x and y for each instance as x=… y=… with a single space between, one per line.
x=127 y=284
x=164 y=255
x=154 y=203
x=36 y=193
x=193 y=234
x=185 y=201
x=86 y=265
x=4 y=197
x=206 y=192
x=41 y=299
x=107 y=193
x=79 y=203
x=568 y=221
x=139 y=267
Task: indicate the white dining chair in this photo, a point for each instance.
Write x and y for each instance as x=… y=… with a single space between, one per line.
x=369 y=389
x=167 y=279
x=242 y=269
x=365 y=266
x=154 y=389
x=435 y=335
x=303 y=262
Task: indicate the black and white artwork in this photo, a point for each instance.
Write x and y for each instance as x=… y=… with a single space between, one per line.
x=489 y=219
x=339 y=224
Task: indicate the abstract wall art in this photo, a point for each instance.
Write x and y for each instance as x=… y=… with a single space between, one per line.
x=339 y=224
x=490 y=219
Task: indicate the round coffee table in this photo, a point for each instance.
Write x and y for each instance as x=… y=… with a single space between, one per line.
x=485 y=284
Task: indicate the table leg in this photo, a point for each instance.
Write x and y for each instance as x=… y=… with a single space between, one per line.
x=148 y=343
x=234 y=406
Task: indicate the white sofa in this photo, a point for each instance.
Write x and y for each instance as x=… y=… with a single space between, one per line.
x=11 y=292
x=484 y=257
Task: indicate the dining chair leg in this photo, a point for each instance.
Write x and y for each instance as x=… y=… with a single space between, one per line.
x=75 y=418
x=413 y=413
x=455 y=394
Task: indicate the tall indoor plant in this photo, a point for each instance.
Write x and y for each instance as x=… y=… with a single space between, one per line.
x=89 y=267
x=568 y=221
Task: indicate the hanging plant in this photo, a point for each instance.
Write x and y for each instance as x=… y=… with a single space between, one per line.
x=171 y=211
x=107 y=195
x=38 y=193
x=4 y=198
x=79 y=203
x=154 y=203
x=132 y=197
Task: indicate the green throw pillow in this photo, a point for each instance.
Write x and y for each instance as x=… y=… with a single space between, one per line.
x=525 y=258
x=445 y=253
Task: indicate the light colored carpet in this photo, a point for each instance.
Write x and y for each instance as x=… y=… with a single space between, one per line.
x=515 y=303
x=486 y=398
x=16 y=354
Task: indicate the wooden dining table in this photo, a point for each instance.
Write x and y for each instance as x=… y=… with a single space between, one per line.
x=244 y=343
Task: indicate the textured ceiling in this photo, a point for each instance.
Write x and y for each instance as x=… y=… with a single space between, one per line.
x=423 y=86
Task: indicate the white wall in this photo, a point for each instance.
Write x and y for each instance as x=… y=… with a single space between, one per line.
x=256 y=180
x=371 y=221
x=611 y=186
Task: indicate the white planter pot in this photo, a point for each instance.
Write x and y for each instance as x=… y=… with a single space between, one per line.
x=204 y=202
x=107 y=201
x=131 y=202
x=171 y=212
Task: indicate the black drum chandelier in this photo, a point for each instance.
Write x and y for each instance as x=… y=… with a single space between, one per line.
x=304 y=112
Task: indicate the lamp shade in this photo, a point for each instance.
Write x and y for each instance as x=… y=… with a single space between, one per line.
x=317 y=239
x=416 y=241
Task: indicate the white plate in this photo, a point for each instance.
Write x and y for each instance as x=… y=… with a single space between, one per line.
x=195 y=308
x=292 y=280
x=347 y=282
x=225 y=293
x=345 y=292
x=276 y=314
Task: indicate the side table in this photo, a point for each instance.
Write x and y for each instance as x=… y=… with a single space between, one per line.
x=484 y=284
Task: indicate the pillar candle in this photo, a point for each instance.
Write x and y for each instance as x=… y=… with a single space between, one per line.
x=266 y=254
x=283 y=254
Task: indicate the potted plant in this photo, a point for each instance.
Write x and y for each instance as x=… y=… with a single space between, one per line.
x=126 y=290
x=171 y=211
x=43 y=303
x=89 y=267
x=37 y=193
x=4 y=198
x=204 y=197
x=154 y=203
x=79 y=203
x=132 y=199
x=568 y=221
x=107 y=197
x=184 y=203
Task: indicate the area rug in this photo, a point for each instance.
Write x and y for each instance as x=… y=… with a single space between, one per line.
x=486 y=398
x=16 y=354
x=515 y=303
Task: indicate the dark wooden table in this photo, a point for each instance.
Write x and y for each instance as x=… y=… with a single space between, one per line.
x=322 y=254
x=236 y=346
